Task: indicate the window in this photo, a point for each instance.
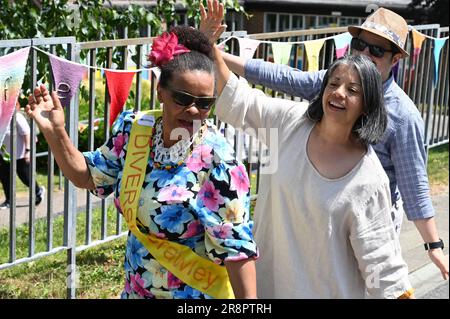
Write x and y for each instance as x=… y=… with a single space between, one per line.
x=327 y=21
x=271 y=23
x=284 y=22
x=278 y=22
x=345 y=21
x=297 y=22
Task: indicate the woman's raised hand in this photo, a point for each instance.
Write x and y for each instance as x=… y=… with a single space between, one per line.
x=211 y=21
x=45 y=109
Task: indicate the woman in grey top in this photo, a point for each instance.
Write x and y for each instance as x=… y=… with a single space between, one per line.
x=322 y=219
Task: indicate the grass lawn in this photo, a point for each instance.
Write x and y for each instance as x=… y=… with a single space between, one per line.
x=100 y=269
x=438 y=168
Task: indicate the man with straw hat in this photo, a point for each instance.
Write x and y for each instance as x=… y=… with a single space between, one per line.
x=382 y=38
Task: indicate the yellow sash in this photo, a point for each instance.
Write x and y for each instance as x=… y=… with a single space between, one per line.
x=192 y=269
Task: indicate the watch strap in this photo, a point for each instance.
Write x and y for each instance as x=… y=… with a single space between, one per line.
x=437 y=244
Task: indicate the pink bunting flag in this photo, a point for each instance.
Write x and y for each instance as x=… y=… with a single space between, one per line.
x=247 y=47
x=342 y=42
x=67 y=76
x=119 y=83
x=12 y=71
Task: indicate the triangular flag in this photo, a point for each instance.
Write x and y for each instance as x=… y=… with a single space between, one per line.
x=312 y=53
x=438 y=44
x=67 y=76
x=418 y=39
x=119 y=84
x=281 y=52
x=12 y=71
x=156 y=71
x=247 y=47
x=342 y=42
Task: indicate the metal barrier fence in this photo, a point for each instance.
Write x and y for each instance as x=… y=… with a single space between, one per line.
x=68 y=241
x=416 y=79
x=432 y=102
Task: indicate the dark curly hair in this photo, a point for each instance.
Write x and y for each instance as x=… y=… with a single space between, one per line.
x=200 y=58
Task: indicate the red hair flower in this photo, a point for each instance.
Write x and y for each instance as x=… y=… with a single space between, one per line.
x=164 y=48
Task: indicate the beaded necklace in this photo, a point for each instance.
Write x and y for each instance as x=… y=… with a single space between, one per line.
x=195 y=140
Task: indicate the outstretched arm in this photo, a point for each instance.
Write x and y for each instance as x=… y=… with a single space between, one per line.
x=278 y=77
x=48 y=113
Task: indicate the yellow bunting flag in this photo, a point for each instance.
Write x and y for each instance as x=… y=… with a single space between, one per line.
x=312 y=53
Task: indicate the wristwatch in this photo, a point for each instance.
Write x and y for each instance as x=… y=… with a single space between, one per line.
x=27 y=150
x=437 y=244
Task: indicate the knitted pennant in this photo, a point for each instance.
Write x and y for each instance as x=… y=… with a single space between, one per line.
x=438 y=44
x=247 y=47
x=342 y=42
x=67 y=76
x=119 y=84
x=281 y=52
x=156 y=71
x=312 y=53
x=12 y=72
x=418 y=39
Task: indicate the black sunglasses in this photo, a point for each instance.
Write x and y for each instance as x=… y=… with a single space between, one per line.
x=375 y=50
x=185 y=99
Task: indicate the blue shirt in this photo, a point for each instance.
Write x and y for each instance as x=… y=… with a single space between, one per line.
x=401 y=150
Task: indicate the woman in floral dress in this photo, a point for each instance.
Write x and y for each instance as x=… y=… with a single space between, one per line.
x=194 y=192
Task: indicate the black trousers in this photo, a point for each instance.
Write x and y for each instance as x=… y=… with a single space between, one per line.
x=23 y=171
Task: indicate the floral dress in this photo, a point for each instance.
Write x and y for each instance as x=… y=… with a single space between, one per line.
x=202 y=203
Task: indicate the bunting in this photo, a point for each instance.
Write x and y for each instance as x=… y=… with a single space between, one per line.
x=67 y=77
x=247 y=47
x=281 y=52
x=12 y=71
x=438 y=44
x=418 y=39
x=342 y=43
x=119 y=84
x=68 y=74
x=156 y=71
x=312 y=53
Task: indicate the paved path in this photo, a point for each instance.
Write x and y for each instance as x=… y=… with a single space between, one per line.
x=424 y=275
x=22 y=210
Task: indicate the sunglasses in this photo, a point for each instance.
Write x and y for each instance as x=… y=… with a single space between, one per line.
x=185 y=99
x=375 y=50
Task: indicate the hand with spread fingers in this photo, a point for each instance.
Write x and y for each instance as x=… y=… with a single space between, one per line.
x=211 y=21
x=45 y=109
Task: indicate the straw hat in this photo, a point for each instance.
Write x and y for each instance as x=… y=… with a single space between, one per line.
x=386 y=24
